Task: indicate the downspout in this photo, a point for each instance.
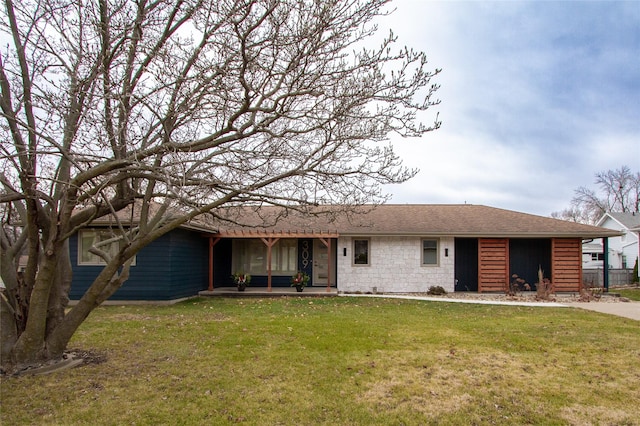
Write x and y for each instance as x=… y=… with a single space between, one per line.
x=605 y=263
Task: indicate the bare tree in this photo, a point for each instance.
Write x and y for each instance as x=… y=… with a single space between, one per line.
x=166 y=110
x=618 y=191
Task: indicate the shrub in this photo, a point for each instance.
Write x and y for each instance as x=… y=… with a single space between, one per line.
x=517 y=285
x=590 y=292
x=436 y=290
x=543 y=286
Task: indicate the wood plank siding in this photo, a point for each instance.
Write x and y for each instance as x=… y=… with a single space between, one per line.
x=566 y=264
x=493 y=264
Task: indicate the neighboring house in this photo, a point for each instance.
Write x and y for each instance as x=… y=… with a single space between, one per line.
x=390 y=248
x=637 y=231
x=592 y=254
x=623 y=249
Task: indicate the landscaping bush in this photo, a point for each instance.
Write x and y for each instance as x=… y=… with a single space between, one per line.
x=436 y=291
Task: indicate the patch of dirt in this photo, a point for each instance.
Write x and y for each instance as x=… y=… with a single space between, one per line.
x=88 y=357
x=70 y=359
x=588 y=415
x=525 y=296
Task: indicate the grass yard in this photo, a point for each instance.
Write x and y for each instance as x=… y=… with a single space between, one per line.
x=346 y=361
x=632 y=293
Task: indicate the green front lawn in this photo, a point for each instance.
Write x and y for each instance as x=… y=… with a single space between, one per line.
x=347 y=361
x=629 y=293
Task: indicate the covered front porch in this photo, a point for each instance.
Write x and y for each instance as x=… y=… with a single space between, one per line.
x=271 y=258
x=273 y=292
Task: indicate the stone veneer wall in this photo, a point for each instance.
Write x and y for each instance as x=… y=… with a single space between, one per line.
x=395 y=266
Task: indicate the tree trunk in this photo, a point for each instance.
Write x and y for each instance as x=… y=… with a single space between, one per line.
x=30 y=346
x=59 y=295
x=58 y=339
x=8 y=332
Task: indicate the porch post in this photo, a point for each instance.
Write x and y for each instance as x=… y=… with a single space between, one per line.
x=212 y=243
x=328 y=265
x=270 y=242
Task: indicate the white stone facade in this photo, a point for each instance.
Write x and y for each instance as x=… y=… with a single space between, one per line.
x=395 y=266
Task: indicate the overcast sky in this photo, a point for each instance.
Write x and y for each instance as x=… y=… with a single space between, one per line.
x=536 y=98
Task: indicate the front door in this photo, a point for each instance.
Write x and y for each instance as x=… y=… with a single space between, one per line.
x=466 y=264
x=320 y=263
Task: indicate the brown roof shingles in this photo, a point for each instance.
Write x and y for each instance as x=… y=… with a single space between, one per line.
x=457 y=220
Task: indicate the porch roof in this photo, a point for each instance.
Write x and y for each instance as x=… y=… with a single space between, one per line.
x=258 y=233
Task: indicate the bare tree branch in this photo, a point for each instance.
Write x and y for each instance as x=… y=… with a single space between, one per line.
x=618 y=191
x=151 y=113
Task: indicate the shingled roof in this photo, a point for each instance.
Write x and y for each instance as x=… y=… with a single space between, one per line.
x=629 y=220
x=457 y=220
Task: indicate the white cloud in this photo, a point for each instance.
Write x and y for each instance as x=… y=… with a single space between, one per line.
x=536 y=98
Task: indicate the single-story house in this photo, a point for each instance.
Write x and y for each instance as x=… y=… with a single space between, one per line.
x=389 y=248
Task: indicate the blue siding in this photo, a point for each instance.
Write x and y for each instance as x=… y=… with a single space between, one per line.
x=173 y=266
x=189 y=263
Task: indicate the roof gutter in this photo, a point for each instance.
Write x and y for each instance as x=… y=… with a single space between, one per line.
x=480 y=235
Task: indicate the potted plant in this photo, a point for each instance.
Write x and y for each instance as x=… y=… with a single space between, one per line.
x=242 y=280
x=299 y=281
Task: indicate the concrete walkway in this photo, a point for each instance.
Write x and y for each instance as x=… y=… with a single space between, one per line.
x=452 y=300
x=622 y=309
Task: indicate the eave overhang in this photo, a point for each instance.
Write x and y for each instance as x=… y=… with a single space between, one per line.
x=473 y=234
x=254 y=233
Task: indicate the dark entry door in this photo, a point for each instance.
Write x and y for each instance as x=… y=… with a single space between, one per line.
x=466 y=264
x=527 y=255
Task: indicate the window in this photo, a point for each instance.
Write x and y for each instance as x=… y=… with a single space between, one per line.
x=250 y=257
x=284 y=256
x=597 y=256
x=429 y=252
x=360 y=252
x=87 y=238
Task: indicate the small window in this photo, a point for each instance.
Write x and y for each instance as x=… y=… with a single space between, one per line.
x=429 y=252
x=88 y=238
x=360 y=252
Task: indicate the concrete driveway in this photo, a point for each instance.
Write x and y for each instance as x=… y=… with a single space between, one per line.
x=621 y=309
